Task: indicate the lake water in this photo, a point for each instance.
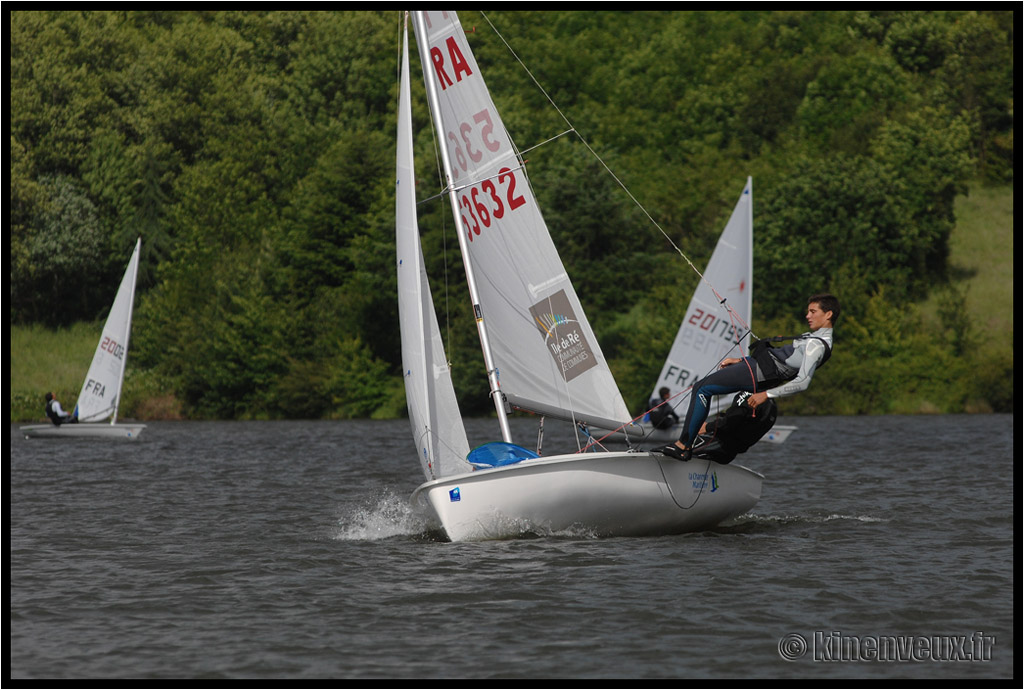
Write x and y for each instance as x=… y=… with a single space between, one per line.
x=882 y=547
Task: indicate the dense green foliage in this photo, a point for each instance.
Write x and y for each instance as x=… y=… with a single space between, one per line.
x=254 y=154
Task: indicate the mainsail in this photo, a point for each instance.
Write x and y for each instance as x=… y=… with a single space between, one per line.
x=433 y=411
x=717 y=324
x=101 y=392
x=546 y=356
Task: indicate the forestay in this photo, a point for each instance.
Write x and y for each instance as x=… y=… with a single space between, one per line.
x=433 y=410
x=544 y=350
x=101 y=392
x=717 y=324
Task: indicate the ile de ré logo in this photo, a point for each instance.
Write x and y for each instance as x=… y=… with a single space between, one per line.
x=568 y=346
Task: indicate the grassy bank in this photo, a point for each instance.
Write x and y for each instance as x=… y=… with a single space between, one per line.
x=981 y=268
x=46 y=360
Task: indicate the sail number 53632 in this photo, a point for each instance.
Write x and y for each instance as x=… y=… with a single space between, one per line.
x=480 y=205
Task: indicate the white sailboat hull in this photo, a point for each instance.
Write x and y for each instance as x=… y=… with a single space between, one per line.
x=128 y=431
x=599 y=494
x=778 y=433
x=646 y=434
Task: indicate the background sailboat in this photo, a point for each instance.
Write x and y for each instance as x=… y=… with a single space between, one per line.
x=101 y=390
x=716 y=324
x=539 y=351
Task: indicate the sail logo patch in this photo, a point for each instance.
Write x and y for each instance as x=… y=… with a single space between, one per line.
x=563 y=336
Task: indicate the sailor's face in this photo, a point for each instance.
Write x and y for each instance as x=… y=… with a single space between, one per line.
x=816 y=318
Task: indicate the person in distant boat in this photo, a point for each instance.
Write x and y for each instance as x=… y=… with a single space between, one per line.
x=769 y=372
x=661 y=413
x=56 y=413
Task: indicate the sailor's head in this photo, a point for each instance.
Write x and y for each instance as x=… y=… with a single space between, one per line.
x=822 y=311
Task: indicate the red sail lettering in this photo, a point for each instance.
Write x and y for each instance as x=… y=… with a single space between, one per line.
x=442 y=77
x=430 y=25
x=459 y=64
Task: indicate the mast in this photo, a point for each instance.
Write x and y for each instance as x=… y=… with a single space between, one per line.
x=435 y=109
x=128 y=328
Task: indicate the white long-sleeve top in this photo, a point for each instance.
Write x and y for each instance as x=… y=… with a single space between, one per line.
x=803 y=356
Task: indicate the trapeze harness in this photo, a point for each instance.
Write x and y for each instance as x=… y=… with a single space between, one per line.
x=777 y=364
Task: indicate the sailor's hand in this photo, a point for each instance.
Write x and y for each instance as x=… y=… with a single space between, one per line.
x=756 y=399
x=727 y=362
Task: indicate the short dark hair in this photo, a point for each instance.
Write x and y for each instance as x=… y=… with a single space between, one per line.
x=827 y=302
x=49 y=397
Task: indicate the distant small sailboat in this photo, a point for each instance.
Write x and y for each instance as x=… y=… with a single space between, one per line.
x=101 y=390
x=539 y=350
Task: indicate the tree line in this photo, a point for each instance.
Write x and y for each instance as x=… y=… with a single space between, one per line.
x=254 y=154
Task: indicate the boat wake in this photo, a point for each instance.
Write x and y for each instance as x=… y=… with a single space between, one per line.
x=754 y=523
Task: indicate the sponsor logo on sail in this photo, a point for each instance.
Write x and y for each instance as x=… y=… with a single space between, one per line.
x=563 y=335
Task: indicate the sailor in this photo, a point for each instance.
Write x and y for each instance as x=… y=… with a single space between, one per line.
x=661 y=413
x=56 y=413
x=768 y=372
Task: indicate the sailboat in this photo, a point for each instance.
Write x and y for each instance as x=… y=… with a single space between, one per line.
x=539 y=351
x=716 y=325
x=101 y=390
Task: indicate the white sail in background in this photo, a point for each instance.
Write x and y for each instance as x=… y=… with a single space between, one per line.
x=433 y=411
x=712 y=329
x=101 y=391
x=544 y=350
